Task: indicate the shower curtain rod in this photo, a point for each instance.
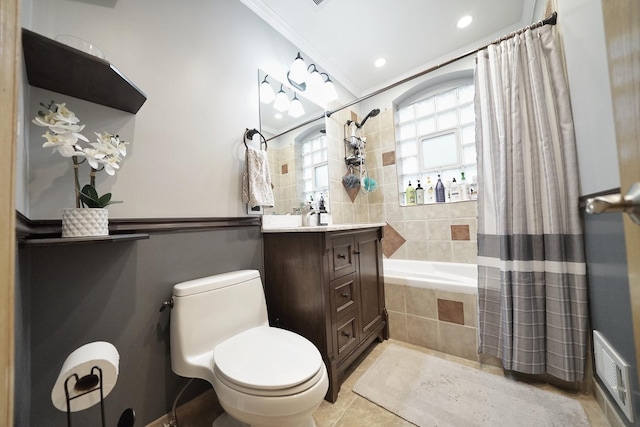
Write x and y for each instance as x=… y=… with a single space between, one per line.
x=551 y=20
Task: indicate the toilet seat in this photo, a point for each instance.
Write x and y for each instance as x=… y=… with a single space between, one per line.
x=266 y=361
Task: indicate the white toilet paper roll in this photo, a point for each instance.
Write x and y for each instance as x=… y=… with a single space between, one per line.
x=101 y=354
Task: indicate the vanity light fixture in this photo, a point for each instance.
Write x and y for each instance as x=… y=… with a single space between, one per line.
x=298 y=72
x=296 y=109
x=329 y=90
x=464 y=21
x=267 y=95
x=310 y=80
x=282 y=101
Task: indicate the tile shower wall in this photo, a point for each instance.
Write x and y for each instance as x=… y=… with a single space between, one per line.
x=435 y=232
x=282 y=167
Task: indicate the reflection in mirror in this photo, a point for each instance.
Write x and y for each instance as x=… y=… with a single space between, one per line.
x=276 y=121
x=298 y=160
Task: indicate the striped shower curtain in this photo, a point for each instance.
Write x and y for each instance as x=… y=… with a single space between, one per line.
x=532 y=277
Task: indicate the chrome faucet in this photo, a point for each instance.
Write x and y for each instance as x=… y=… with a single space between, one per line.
x=307 y=214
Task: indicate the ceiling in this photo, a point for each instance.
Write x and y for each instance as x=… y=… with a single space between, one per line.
x=345 y=37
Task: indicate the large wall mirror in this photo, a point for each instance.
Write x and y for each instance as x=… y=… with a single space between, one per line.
x=413 y=133
x=297 y=146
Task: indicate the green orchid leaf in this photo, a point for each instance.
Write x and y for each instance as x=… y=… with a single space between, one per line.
x=105 y=199
x=90 y=198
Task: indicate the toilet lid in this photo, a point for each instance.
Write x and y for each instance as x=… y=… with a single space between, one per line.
x=267 y=358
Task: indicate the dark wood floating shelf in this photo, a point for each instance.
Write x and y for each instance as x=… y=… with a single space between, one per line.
x=58 y=241
x=60 y=68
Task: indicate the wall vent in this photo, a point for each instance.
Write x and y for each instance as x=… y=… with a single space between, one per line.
x=317 y=2
x=614 y=373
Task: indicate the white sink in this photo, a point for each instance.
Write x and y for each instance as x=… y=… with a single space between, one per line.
x=281 y=221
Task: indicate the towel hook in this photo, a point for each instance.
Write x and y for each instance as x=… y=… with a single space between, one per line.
x=249 y=133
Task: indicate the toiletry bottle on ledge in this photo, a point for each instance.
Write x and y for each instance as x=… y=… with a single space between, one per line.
x=473 y=188
x=454 y=191
x=430 y=196
x=411 y=195
x=464 y=188
x=440 y=191
x=419 y=194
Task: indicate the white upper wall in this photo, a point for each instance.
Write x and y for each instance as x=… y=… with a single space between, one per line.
x=582 y=30
x=197 y=63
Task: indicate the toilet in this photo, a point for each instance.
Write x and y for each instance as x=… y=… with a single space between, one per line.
x=262 y=376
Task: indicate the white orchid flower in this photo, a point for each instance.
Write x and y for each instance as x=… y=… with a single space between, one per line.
x=63 y=134
x=93 y=156
x=64 y=144
x=120 y=145
x=63 y=114
x=110 y=165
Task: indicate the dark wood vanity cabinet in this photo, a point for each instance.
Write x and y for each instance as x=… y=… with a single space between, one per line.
x=328 y=287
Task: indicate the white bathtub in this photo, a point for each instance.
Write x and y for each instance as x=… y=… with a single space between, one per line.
x=445 y=276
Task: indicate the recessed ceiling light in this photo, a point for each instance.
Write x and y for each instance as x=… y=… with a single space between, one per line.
x=380 y=62
x=465 y=21
x=278 y=116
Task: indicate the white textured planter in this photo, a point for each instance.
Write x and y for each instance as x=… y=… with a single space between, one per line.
x=83 y=222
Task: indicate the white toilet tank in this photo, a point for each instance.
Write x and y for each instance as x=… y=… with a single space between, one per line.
x=209 y=310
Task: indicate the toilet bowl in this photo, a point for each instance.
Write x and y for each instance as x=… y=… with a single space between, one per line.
x=262 y=376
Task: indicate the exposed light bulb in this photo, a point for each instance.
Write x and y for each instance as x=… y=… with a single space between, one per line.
x=282 y=101
x=267 y=95
x=329 y=90
x=298 y=72
x=296 y=109
x=315 y=83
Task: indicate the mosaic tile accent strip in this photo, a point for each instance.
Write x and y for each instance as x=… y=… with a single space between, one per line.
x=451 y=311
x=460 y=232
x=389 y=158
x=392 y=241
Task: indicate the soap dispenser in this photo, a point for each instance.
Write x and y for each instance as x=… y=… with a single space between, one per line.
x=323 y=215
x=411 y=194
x=454 y=191
x=419 y=194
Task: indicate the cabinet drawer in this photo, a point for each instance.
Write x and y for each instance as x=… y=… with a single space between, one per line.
x=344 y=296
x=342 y=256
x=346 y=336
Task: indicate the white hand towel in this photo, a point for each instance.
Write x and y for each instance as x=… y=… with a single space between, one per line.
x=256 y=180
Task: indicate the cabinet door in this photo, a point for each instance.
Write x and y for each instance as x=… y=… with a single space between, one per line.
x=370 y=284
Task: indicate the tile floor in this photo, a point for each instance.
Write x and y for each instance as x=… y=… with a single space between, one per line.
x=351 y=410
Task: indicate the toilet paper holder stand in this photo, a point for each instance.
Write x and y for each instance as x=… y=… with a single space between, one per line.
x=85 y=385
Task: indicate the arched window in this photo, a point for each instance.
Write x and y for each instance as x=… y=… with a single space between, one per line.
x=435 y=135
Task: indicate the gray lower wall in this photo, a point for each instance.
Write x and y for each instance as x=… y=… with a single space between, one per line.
x=609 y=298
x=68 y=296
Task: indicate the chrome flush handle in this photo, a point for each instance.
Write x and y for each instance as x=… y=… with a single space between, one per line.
x=617 y=203
x=166 y=304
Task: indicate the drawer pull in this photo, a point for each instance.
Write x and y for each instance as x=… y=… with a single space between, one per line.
x=346 y=334
x=345 y=295
x=342 y=256
x=356 y=252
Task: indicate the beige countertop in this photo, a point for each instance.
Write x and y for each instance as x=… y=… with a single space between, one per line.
x=320 y=228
